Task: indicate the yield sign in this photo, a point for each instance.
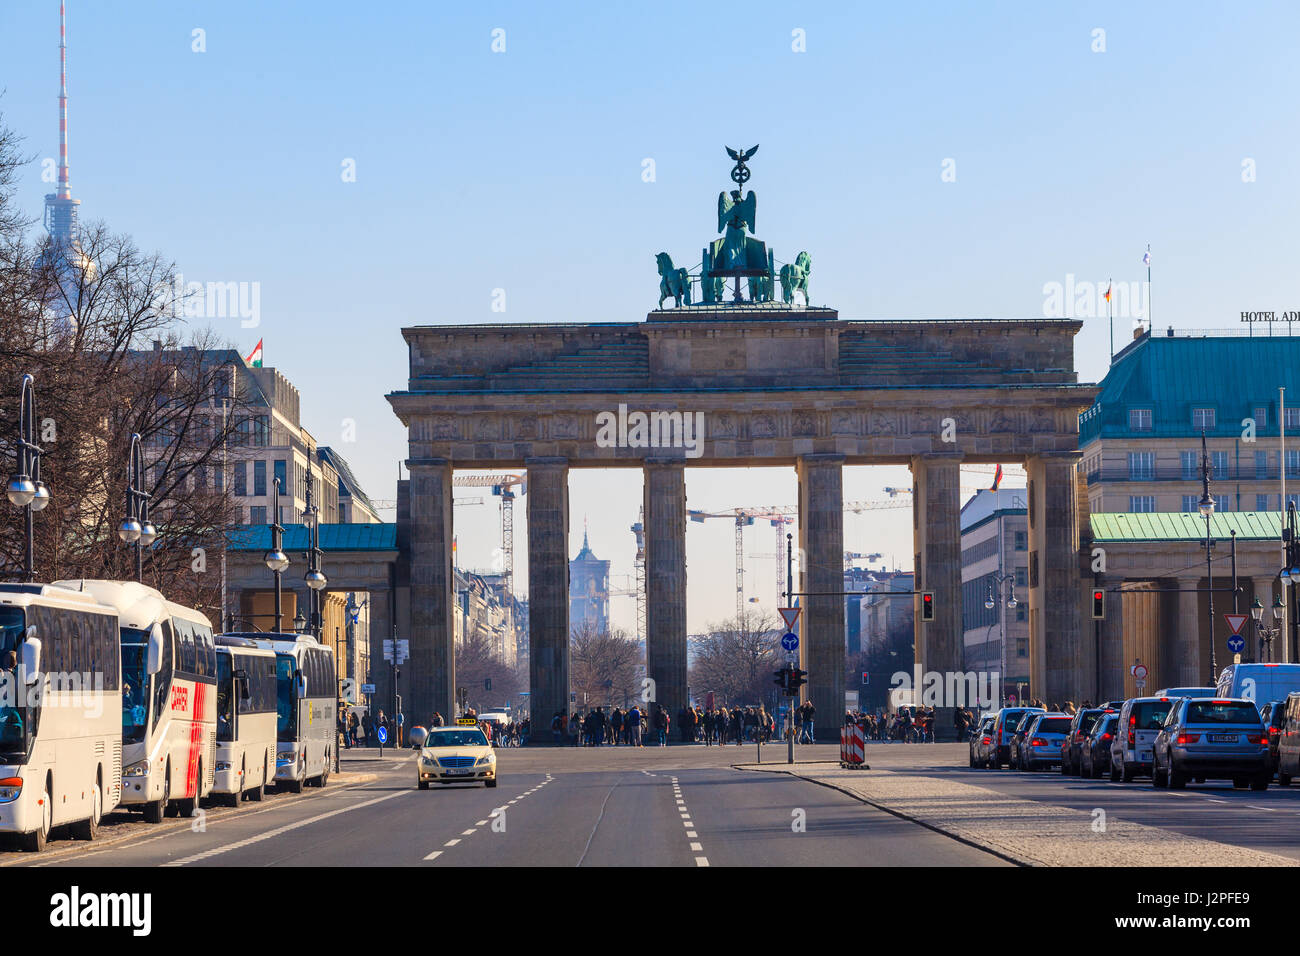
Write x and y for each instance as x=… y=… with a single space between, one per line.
x=1235 y=621
x=789 y=615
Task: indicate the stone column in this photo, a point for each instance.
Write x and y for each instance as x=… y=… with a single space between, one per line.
x=1055 y=586
x=936 y=529
x=665 y=582
x=429 y=677
x=1114 y=667
x=381 y=671
x=1187 y=641
x=821 y=541
x=548 y=591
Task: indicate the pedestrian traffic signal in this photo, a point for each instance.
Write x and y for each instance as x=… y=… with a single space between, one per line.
x=927 y=607
x=1098 y=604
x=780 y=677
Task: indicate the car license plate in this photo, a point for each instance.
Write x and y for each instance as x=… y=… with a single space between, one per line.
x=1144 y=755
x=1223 y=738
x=459 y=773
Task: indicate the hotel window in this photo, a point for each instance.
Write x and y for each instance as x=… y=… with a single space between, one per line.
x=1139 y=419
x=1292 y=499
x=1189 y=503
x=1219 y=464
x=1261 y=464
x=1191 y=464
x=1139 y=504
x=1292 y=418
x=1141 y=465
x=1203 y=418
x=1261 y=503
x=1292 y=464
x=1260 y=414
x=1222 y=502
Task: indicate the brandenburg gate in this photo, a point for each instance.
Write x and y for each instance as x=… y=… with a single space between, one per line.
x=774 y=382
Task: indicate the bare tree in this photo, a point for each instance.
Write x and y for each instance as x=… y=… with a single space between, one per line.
x=605 y=665
x=477 y=663
x=735 y=659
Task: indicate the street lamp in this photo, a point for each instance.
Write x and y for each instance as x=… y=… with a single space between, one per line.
x=299 y=622
x=25 y=489
x=315 y=577
x=136 y=528
x=1206 y=508
x=1269 y=628
x=276 y=559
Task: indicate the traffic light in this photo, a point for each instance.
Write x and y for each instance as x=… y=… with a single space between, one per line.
x=927 y=607
x=797 y=679
x=1098 y=604
x=779 y=678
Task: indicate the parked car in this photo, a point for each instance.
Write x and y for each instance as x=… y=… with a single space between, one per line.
x=1288 y=747
x=980 y=740
x=1140 y=719
x=1260 y=683
x=1096 y=749
x=1041 y=745
x=1003 y=727
x=1273 y=714
x=1018 y=738
x=1072 y=747
x=1212 y=738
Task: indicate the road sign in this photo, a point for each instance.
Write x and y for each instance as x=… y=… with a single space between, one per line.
x=1140 y=683
x=348 y=690
x=403 y=650
x=1139 y=671
x=383 y=735
x=789 y=615
x=1236 y=622
x=367 y=688
x=790 y=641
x=1236 y=643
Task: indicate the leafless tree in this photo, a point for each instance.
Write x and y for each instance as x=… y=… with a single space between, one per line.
x=735 y=659
x=606 y=666
x=476 y=663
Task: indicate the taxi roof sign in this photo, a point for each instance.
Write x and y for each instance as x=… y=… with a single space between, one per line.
x=467 y=721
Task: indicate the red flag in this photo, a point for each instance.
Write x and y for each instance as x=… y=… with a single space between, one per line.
x=997 y=478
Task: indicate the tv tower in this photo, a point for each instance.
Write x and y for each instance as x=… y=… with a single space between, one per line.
x=60 y=207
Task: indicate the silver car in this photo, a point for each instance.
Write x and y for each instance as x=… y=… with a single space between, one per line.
x=1041 y=745
x=1210 y=737
x=980 y=742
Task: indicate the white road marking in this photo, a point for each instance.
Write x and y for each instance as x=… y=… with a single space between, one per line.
x=701 y=861
x=697 y=847
x=691 y=833
x=452 y=842
x=434 y=855
x=481 y=823
x=240 y=844
x=466 y=832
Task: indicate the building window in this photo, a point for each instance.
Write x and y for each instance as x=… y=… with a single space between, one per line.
x=1022 y=647
x=1141 y=465
x=257 y=515
x=1191 y=465
x=1261 y=502
x=241 y=478
x=1189 y=503
x=1222 y=502
x=281 y=474
x=1203 y=418
x=259 y=479
x=1022 y=612
x=1022 y=577
x=1139 y=419
x=1261 y=464
x=1292 y=464
x=1022 y=540
x=1141 y=504
x=219 y=479
x=1292 y=418
x=1261 y=416
x=1219 y=464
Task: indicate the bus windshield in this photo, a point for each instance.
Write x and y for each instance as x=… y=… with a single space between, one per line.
x=135 y=685
x=225 y=698
x=286 y=703
x=13 y=726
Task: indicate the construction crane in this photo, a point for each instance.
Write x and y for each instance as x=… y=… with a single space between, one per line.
x=1008 y=471
x=503 y=486
x=638 y=530
x=390 y=504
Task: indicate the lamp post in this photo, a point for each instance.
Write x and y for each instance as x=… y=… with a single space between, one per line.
x=1267 y=629
x=276 y=559
x=25 y=488
x=1206 y=507
x=998 y=578
x=299 y=622
x=314 y=577
x=136 y=528
x=1290 y=574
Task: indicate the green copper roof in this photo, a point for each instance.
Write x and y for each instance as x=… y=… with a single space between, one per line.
x=1170 y=375
x=333 y=537
x=1185 y=526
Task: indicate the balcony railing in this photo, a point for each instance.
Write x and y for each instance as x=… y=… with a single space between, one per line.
x=1243 y=471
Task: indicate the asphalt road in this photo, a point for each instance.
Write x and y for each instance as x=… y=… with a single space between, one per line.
x=678 y=806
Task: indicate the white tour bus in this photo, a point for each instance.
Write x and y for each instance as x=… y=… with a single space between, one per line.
x=60 y=712
x=169 y=700
x=306 y=703
x=245 y=719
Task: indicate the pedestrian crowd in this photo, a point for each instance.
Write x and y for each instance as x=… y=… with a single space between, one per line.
x=636 y=726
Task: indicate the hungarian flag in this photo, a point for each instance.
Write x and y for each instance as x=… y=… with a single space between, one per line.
x=254 y=360
x=997 y=478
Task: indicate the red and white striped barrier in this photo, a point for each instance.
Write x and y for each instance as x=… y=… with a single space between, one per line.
x=853 y=747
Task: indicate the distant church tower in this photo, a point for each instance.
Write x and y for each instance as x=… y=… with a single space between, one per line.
x=588 y=589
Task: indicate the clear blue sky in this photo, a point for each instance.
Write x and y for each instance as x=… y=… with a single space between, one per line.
x=522 y=171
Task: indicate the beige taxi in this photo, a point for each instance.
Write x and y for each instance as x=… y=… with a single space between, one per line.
x=457 y=754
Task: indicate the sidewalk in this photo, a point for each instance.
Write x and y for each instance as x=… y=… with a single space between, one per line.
x=1023 y=831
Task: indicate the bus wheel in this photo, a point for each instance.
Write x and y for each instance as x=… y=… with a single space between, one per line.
x=155 y=811
x=187 y=806
x=35 y=841
x=89 y=829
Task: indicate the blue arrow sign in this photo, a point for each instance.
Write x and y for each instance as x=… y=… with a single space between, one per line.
x=790 y=641
x=383 y=735
x=1236 y=643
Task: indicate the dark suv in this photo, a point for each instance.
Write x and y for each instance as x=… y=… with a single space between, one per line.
x=1003 y=728
x=1212 y=738
x=1077 y=739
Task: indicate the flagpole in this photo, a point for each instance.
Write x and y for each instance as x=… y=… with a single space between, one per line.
x=1110 y=304
x=1150 y=320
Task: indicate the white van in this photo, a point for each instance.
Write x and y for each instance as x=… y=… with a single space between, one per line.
x=1260 y=683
